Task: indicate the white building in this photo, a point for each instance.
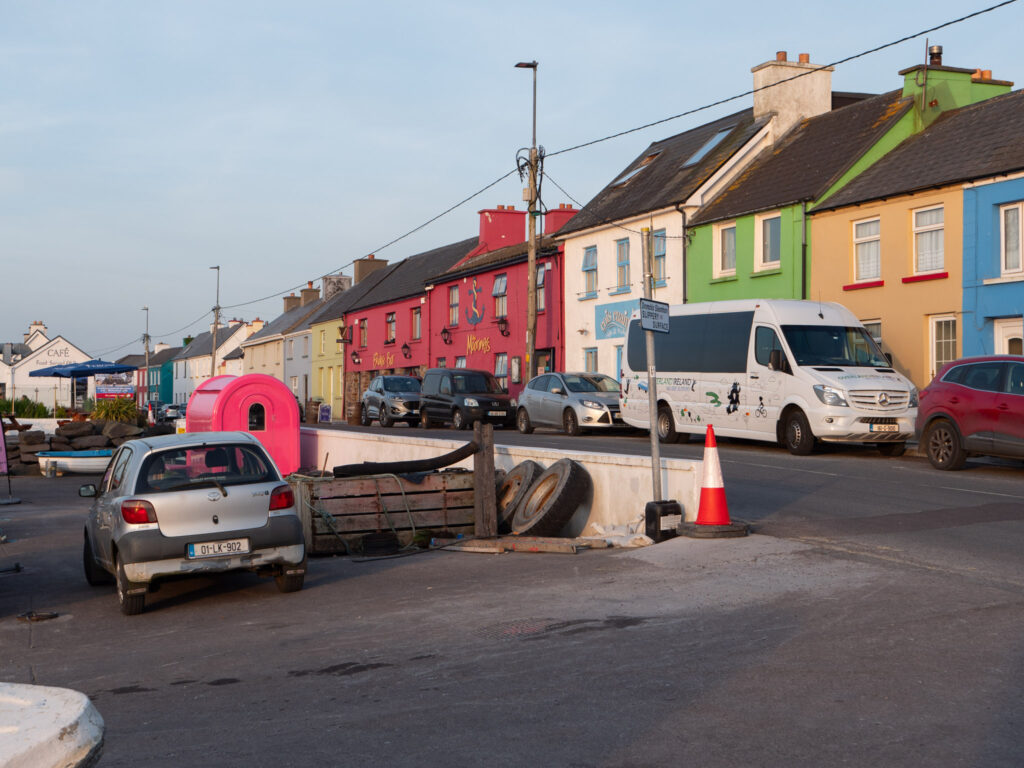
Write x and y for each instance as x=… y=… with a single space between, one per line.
x=660 y=190
x=192 y=366
x=35 y=351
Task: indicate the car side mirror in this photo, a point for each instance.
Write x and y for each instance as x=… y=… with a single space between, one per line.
x=87 y=491
x=558 y=391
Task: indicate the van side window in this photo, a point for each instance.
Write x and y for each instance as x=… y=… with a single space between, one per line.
x=446 y=385
x=765 y=342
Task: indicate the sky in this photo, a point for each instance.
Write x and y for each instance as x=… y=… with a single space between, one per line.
x=142 y=143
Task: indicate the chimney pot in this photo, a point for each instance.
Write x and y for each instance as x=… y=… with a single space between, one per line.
x=805 y=58
x=935 y=56
x=986 y=74
x=780 y=55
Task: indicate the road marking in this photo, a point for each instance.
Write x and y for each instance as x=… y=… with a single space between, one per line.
x=778 y=468
x=984 y=493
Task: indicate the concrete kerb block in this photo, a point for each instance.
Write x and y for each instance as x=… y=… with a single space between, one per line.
x=45 y=726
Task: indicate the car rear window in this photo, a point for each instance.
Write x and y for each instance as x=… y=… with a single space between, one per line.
x=179 y=469
x=984 y=376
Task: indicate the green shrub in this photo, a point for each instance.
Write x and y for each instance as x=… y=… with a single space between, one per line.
x=116 y=409
x=25 y=408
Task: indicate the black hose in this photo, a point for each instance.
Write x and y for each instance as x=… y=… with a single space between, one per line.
x=405 y=467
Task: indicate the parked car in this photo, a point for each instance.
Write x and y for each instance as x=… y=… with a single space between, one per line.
x=389 y=399
x=190 y=503
x=462 y=396
x=570 y=401
x=973 y=406
x=170 y=412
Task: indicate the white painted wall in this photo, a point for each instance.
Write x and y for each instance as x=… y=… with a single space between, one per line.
x=584 y=317
x=622 y=484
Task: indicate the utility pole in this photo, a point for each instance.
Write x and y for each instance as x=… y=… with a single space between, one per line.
x=652 y=377
x=216 y=322
x=145 y=382
x=530 y=195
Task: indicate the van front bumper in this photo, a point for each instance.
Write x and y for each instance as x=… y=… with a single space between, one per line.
x=863 y=428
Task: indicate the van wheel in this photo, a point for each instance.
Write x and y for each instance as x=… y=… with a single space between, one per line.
x=424 y=419
x=364 y=416
x=666 y=426
x=459 y=420
x=570 y=423
x=945 y=450
x=892 y=450
x=523 y=421
x=797 y=434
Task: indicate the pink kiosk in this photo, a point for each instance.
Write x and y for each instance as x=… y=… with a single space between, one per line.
x=254 y=403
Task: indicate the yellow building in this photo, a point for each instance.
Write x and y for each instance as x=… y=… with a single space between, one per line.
x=896 y=263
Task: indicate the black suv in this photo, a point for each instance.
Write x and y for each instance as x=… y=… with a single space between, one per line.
x=389 y=399
x=461 y=396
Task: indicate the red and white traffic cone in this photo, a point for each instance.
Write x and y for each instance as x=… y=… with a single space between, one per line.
x=713 y=512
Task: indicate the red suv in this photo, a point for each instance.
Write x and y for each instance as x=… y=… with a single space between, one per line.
x=973 y=406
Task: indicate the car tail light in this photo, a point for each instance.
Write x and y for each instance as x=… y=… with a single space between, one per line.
x=136 y=511
x=282 y=498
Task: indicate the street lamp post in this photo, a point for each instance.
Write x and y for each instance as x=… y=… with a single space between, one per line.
x=531 y=259
x=216 y=322
x=145 y=377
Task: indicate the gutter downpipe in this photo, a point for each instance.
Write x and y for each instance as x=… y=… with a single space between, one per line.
x=682 y=212
x=803 y=250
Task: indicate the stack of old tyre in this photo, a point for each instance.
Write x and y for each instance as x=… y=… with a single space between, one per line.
x=534 y=501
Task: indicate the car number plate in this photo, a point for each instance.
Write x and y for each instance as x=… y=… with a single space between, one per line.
x=218 y=548
x=495 y=413
x=883 y=428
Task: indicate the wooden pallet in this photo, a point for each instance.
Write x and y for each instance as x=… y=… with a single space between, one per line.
x=338 y=512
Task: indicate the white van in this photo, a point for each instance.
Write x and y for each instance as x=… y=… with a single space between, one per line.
x=785 y=371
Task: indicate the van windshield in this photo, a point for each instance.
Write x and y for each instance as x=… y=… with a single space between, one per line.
x=833 y=345
x=476 y=383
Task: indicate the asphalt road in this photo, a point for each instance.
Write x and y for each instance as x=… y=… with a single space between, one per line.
x=874 y=619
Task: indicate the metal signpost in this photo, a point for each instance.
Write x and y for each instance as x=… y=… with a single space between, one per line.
x=653 y=319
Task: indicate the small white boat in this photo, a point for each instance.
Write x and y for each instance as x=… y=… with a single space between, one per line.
x=84 y=462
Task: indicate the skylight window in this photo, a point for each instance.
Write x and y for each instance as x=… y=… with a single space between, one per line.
x=710 y=144
x=630 y=174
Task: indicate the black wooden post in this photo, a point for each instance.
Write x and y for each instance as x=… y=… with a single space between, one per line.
x=485 y=506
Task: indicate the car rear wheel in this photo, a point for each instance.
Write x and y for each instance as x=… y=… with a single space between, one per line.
x=95 y=574
x=130 y=594
x=291 y=578
x=570 y=423
x=945 y=451
x=523 y=421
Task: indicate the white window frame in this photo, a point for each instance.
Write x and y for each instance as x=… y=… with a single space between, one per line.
x=857 y=278
x=716 y=247
x=760 y=265
x=416 y=320
x=390 y=328
x=933 y=356
x=1005 y=271
x=590 y=359
x=916 y=230
x=622 y=279
x=453 y=305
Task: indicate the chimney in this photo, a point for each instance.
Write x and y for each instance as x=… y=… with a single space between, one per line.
x=363 y=268
x=499 y=227
x=791 y=100
x=310 y=294
x=160 y=347
x=335 y=284
x=554 y=220
x=291 y=301
x=256 y=325
x=35 y=325
x=935 y=56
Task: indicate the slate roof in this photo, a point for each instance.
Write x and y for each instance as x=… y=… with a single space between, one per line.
x=161 y=357
x=284 y=323
x=203 y=343
x=340 y=303
x=973 y=142
x=666 y=182
x=235 y=354
x=409 y=276
x=813 y=156
x=137 y=360
x=546 y=246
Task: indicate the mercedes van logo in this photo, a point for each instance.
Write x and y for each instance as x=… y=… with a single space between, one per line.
x=883 y=398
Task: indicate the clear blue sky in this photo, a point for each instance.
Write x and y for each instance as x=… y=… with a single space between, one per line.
x=143 y=142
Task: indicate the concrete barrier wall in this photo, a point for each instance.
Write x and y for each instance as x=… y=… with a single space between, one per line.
x=622 y=484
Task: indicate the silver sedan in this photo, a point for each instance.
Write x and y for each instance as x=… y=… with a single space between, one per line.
x=573 y=402
x=190 y=503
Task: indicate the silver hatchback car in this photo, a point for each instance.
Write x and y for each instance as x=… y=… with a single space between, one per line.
x=190 y=503
x=571 y=401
